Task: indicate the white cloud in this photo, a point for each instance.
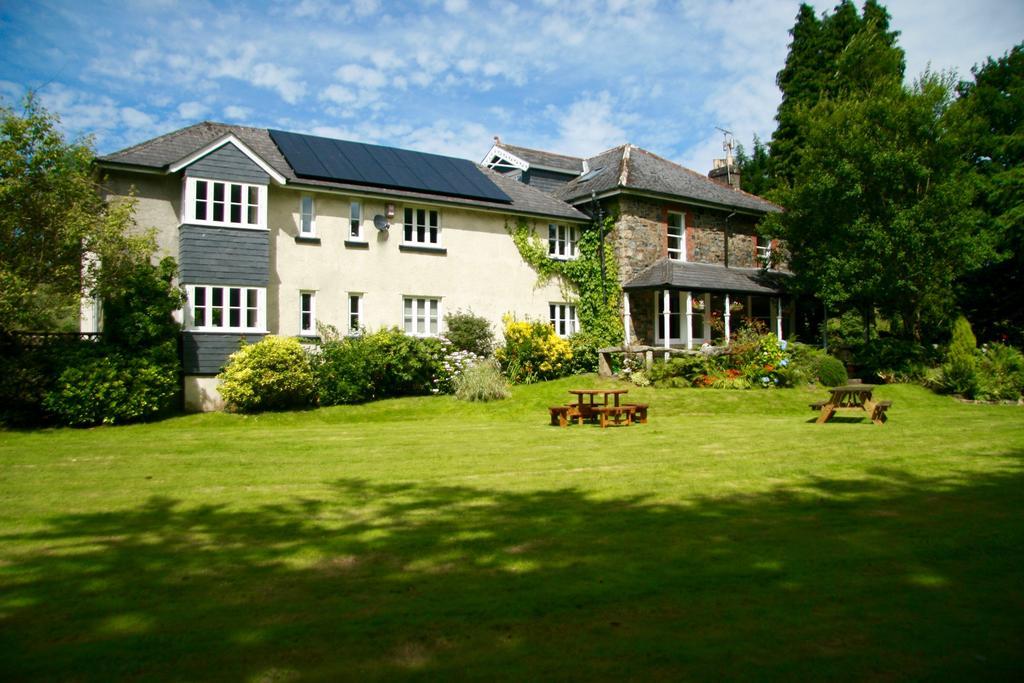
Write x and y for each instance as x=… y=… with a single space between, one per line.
x=338 y=94
x=235 y=113
x=285 y=80
x=455 y=6
x=365 y=7
x=135 y=118
x=461 y=139
x=192 y=110
x=361 y=76
x=589 y=126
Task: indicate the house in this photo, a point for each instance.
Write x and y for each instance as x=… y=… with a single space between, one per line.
x=275 y=232
x=278 y=232
x=690 y=259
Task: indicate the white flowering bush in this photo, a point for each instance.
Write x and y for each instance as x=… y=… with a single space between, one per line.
x=454 y=364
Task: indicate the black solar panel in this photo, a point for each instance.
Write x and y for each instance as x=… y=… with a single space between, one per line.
x=358 y=163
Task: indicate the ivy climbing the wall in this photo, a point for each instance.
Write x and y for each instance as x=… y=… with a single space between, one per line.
x=580 y=280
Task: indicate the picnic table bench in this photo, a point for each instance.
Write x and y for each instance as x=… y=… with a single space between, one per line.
x=587 y=407
x=855 y=397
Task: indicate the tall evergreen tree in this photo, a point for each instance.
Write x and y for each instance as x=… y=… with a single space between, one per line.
x=841 y=54
x=754 y=167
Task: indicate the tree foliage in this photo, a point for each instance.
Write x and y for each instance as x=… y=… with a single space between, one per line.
x=754 y=168
x=879 y=211
x=989 y=120
x=840 y=54
x=51 y=214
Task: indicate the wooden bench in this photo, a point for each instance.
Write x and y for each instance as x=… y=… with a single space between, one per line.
x=561 y=415
x=616 y=413
x=818 y=405
x=639 y=411
x=878 y=414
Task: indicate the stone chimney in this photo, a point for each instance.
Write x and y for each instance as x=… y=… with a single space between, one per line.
x=726 y=174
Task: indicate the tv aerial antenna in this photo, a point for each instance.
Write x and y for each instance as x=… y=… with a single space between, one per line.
x=728 y=144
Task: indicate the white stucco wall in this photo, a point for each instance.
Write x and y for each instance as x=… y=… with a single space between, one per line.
x=201 y=394
x=157 y=205
x=482 y=270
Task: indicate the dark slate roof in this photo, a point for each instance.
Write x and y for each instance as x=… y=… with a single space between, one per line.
x=537 y=157
x=162 y=152
x=705 y=277
x=628 y=167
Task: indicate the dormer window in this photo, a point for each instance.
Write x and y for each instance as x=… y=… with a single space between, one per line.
x=224 y=203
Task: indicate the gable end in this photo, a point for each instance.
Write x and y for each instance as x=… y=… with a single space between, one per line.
x=228 y=163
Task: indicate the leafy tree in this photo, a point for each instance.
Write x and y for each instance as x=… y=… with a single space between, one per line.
x=51 y=214
x=989 y=120
x=838 y=55
x=879 y=212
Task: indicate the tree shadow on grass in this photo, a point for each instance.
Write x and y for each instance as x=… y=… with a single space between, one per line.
x=888 y=576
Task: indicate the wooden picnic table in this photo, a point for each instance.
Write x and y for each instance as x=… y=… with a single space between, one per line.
x=587 y=407
x=594 y=393
x=856 y=397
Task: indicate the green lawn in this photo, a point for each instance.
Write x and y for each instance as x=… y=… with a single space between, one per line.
x=426 y=538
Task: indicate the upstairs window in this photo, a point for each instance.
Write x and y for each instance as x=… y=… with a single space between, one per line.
x=676 y=236
x=218 y=202
x=355 y=229
x=764 y=254
x=226 y=309
x=422 y=227
x=307 y=216
x=562 y=241
x=563 y=318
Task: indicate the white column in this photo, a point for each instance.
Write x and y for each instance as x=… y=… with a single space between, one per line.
x=687 y=333
x=666 y=316
x=627 y=320
x=778 y=317
x=725 y=317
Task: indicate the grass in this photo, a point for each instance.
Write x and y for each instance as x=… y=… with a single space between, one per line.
x=426 y=538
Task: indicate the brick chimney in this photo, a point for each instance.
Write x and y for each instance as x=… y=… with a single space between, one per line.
x=726 y=174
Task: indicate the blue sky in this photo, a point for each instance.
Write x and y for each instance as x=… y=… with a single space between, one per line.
x=446 y=76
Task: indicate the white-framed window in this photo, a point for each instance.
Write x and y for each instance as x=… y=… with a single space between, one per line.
x=562 y=241
x=563 y=318
x=676 y=236
x=422 y=316
x=355 y=313
x=307 y=216
x=355 y=229
x=224 y=203
x=677 y=317
x=764 y=254
x=422 y=226
x=217 y=308
x=307 y=314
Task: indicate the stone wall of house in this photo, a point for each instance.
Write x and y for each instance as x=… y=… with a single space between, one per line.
x=642 y=313
x=639 y=238
x=707 y=238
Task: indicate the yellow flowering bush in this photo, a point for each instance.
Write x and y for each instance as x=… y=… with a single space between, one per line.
x=533 y=351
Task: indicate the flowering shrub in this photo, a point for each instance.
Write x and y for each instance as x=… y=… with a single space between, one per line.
x=754 y=360
x=533 y=352
x=762 y=361
x=454 y=364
